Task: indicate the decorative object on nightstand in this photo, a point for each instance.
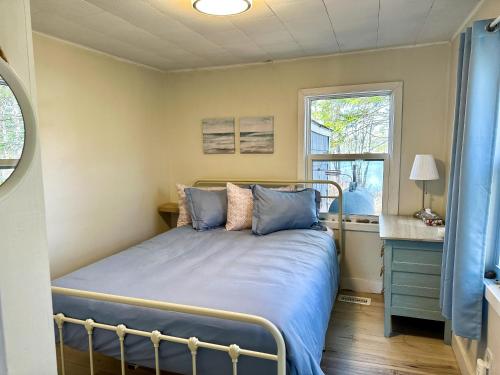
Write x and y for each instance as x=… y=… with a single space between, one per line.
x=430 y=218
x=424 y=169
x=412 y=270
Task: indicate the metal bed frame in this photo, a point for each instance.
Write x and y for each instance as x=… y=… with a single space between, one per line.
x=192 y=343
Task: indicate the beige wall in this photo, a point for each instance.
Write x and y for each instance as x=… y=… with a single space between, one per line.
x=361 y=263
x=26 y=325
x=101 y=127
x=468 y=351
x=272 y=89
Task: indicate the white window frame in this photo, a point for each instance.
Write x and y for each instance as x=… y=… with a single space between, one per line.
x=392 y=160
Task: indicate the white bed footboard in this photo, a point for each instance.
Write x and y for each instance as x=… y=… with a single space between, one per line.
x=192 y=343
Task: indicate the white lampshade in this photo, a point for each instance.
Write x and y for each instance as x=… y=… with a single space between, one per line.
x=424 y=168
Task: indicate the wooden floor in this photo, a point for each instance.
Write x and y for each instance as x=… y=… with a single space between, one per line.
x=355 y=344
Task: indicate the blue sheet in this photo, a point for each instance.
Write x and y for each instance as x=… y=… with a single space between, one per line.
x=289 y=277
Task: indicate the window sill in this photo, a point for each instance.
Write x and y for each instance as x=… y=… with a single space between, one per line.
x=492 y=294
x=352 y=226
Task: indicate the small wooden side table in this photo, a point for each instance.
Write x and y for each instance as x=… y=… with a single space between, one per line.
x=169 y=212
x=412 y=270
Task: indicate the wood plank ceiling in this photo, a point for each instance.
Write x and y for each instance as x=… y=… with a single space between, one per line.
x=170 y=35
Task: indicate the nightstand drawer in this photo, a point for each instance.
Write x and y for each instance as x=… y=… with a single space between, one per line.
x=415 y=291
x=414 y=302
x=416 y=280
x=417 y=256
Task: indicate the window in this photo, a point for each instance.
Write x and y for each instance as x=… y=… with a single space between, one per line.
x=351 y=135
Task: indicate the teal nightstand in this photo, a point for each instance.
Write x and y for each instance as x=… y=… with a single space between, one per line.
x=412 y=270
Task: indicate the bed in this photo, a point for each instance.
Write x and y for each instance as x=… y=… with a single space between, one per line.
x=289 y=278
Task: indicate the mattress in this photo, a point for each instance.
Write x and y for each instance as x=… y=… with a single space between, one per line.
x=288 y=277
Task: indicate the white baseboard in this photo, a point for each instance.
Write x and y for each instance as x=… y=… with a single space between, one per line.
x=361 y=285
x=463 y=360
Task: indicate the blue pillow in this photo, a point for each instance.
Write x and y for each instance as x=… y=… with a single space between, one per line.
x=279 y=210
x=208 y=208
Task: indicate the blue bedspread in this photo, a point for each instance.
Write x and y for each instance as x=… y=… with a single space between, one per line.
x=288 y=277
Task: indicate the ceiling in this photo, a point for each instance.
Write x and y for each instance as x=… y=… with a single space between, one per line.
x=170 y=35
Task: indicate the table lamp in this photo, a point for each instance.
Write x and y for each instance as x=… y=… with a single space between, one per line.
x=424 y=169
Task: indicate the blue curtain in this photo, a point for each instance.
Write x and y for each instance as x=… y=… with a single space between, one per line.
x=472 y=212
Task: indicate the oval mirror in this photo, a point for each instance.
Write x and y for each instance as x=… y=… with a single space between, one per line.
x=17 y=128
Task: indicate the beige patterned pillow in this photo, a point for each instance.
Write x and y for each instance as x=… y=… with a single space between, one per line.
x=240 y=206
x=184 y=215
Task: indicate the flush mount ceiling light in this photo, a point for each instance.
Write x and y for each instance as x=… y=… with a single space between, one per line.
x=222 y=7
